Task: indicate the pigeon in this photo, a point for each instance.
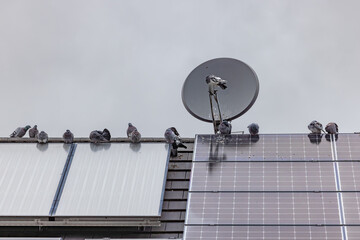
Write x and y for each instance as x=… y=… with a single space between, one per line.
x=33 y=132
x=253 y=129
x=332 y=128
x=315 y=127
x=213 y=81
x=169 y=133
x=42 y=137
x=130 y=129
x=175 y=131
x=106 y=134
x=68 y=137
x=171 y=137
x=135 y=136
x=225 y=127
x=20 y=131
x=97 y=136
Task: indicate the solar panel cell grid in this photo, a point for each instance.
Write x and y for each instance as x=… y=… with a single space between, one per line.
x=263 y=232
x=349 y=176
x=267 y=148
x=351 y=203
x=353 y=232
x=348 y=146
x=263 y=208
x=263 y=176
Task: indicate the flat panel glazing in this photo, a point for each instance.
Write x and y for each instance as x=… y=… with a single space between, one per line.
x=117 y=179
x=29 y=177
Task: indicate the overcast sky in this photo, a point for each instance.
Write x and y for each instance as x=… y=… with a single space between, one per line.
x=85 y=65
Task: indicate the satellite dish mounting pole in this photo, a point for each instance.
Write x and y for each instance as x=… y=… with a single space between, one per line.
x=215 y=123
x=212 y=113
x=217 y=102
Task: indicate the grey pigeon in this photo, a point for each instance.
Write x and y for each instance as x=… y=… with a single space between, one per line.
x=33 y=132
x=130 y=129
x=97 y=136
x=175 y=131
x=332 y=128
x=135 y=136
x=225 y=127
x=253 y=129
x=42 y=137
x=68 y=137
x=169 y=135
x=315 y=127
x=106 y=134
x=172 y=138
x=20 y=131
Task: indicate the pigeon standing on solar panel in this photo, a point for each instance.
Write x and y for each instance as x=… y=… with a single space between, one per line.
x=106 y=134
x=42 y=137
x=225 y=127
x=135 y=136
x=97 y=137
x=253 y=129
x=332 y=128
x=130 y=129
x=68 y=137
x=20 y=131
x=33 y=132
x=315 y=127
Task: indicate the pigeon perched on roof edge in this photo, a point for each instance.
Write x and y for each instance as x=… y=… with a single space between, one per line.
x=135 y=136
x=225 y=127
x=315 y=127
x=332 y=128
x=96 y=136
x=20 y=131
x=253 y=129
x=171 y=137
x=42 y=137
x=33 y=132
x=130 y=129
x=106 y=134
x=68 y=137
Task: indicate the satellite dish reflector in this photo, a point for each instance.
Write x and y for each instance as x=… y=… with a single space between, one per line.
x=239 y=96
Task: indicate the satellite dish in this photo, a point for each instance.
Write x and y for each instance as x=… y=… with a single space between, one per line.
x=239 y=96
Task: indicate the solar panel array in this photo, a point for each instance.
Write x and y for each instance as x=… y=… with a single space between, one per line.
x=83 y=184
x=288 y=186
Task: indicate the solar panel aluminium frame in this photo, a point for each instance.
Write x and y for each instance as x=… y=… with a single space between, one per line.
x=53 y=220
